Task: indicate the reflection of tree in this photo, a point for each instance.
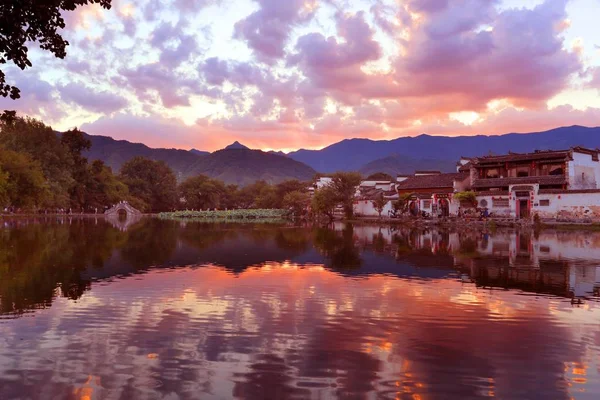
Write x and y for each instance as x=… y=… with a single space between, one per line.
x=37 y=258
x=150 y=243
x=338 y=247
x=297 y=239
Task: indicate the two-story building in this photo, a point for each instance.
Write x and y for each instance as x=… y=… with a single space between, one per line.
x=552 y=184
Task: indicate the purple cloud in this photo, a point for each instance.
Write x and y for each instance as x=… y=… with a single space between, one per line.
x=96 y=101
x=267 y=30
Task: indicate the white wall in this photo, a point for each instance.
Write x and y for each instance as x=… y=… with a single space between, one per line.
x=573 y=206
x=365 y=208
x=583 y=172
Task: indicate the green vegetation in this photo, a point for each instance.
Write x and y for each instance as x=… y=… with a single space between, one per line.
x=152 y=182
x=340 y=192
x=297 y=202
x=400 y=206
x=257 y=214
x=324 y=202
x=42 y=171
x=45 y=171
x=380 y=176
x=468 y=197
x=379 y=204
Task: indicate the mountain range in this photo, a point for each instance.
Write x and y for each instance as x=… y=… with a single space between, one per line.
x=354 y=154
x=237 y=164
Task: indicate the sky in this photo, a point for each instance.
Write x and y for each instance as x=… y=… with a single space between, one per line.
x=284 y=75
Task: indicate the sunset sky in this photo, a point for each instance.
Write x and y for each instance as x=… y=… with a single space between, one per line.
x=292 y=74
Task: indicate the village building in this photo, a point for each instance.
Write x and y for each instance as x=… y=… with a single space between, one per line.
x=371 y=190
x=552 y=184
x=432 y=192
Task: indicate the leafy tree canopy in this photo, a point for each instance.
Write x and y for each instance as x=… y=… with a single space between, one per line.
x=23 y=21
x=153 y=182
x=380 y=176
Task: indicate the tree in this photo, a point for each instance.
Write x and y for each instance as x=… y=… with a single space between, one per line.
x=201 y=192
x=400 y=206
x=104 y=188
x=25 y=186
x=324 y=202
x=289 y=186
x=3 y=188
x=344 y=185
x=153 y=182
x=75 y=143
x=380 y=176
x=297 y=202
x=379 y=204
x=469 y=198
x=40 y=143
x=258 y=195
x=23 y=21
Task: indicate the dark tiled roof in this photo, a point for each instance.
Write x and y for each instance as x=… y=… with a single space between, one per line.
x=513 y=157
x=530 y=180
x=563 y=191
x=431 y=181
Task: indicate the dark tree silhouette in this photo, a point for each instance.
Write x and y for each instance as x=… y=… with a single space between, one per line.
x=23 y=21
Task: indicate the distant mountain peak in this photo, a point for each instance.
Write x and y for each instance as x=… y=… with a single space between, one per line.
x=199 y=152
x=236 y=145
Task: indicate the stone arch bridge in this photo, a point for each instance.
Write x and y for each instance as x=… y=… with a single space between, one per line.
x=123 y=206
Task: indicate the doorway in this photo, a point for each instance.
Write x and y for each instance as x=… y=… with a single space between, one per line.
x=445 y=208
x=523 y=211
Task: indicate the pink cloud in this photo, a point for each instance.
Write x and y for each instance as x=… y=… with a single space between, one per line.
x=267 y=30
x=90 y=99
x=522 y=57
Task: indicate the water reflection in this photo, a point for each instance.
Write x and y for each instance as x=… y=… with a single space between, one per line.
x=169 y=310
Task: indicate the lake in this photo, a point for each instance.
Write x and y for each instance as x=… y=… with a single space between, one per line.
x=95 y=309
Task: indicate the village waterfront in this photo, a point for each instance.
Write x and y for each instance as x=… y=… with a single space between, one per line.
x=150 y=308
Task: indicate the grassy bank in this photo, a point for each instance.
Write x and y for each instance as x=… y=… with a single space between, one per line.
x=229 y=215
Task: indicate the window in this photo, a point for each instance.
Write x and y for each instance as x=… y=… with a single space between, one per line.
x=500 y=203
x=522 y=172
x=426 y=203
x=492 y=173
x=544 y=203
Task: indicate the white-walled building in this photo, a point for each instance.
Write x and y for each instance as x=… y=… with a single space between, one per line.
x=562 y=185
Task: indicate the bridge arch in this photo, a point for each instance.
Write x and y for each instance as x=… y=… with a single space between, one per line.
x=123 y=206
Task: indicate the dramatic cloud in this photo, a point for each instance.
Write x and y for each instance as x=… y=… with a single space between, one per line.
x=99 y=102
x=268 y=29
x=306 y=73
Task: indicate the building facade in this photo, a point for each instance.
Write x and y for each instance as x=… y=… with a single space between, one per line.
x=560 y=185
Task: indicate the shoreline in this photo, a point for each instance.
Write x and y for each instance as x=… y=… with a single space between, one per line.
x=407 y=222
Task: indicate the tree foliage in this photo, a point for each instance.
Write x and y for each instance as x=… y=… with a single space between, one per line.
x=400 y=206
x=153 y=182
x=468 y=197
x=25 y=186
x=380 y=176
x=325 y=201
x=344 y=184
x=23 y=21
x=201 y=192
x=297 y=202
x=379 y=203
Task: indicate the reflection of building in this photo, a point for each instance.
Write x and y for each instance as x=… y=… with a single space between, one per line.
x=563 y=264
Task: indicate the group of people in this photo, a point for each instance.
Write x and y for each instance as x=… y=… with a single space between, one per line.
x=484 y=213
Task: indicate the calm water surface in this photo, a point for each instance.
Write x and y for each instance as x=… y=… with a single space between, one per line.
x=167 y=310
